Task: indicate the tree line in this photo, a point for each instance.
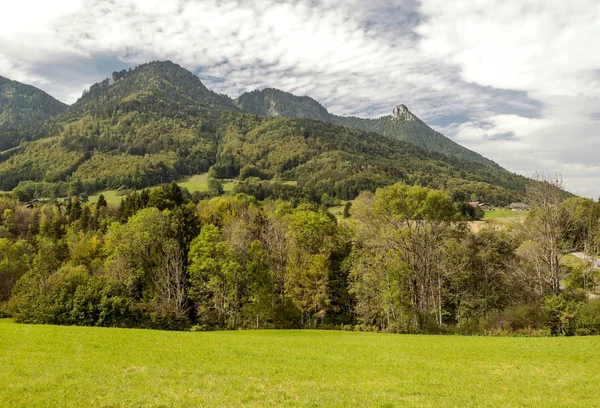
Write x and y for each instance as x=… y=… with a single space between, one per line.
x=402 y=259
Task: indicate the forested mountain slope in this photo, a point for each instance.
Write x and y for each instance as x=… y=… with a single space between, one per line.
x=401 y=124
x=273 y=102
x=158 y=122
x=22 y=106
x=342 y=162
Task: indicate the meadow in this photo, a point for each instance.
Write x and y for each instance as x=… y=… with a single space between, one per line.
x=504 y=214
x=83 y=366
x=501 y=214
x=197 y=182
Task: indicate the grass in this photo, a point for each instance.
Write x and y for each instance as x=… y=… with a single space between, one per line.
x=198 y=182
x=573 y=261
x=337 y=210
x=112 y=196
x=504 y=214
x=80 y=366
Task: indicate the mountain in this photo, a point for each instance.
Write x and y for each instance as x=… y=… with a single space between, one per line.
x=156 y=84
x=273 y=102
x=21 y=106
x=401 y=124
x=158 y=122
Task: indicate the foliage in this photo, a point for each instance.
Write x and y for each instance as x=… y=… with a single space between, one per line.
x=402 y=261
x=23 y=106
x=269 y=254
x=158 y=123
x=273 y=102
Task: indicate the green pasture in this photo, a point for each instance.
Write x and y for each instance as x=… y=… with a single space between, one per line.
x=50 y=366
x=198 y=182
x=505 y=215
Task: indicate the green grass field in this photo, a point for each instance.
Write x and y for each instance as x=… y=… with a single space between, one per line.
x=505 y=214
x=112 y=196
x=337 y=210
x=573 y=261
x=93 y=367
x=198 y=182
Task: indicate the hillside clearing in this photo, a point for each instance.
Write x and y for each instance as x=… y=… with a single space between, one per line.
x=82 y=366
x=197 y=182
x=505 y=215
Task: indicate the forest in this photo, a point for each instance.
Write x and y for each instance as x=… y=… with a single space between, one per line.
x=269 y=254
x=158 y=123
x=402 y=259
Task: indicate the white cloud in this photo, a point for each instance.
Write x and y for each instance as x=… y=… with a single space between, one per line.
x=524 y=73
x=541 y=47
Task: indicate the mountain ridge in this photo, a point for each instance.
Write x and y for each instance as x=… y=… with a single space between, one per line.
x=400 y=124
x=23 y=105
x=158 y=122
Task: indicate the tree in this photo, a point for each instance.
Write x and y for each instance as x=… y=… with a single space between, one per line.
x=260 y=286
x=20 y=195
x=134 y=250
x=311 y=235
x=169 y=278
x=216 y=279
x=347 y=208
x=547 y=226
x=215 y=187
x=378 y=283
x=275 y=243
x=411 y=224
x=14 y=261
x=101 y=203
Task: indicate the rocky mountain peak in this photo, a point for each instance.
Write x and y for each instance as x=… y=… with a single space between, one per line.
x=401 y=112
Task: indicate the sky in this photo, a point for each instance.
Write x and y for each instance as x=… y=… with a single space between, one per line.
x=515 y=80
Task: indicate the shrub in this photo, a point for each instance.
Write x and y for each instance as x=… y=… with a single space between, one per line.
x=560 y=313
x=587 y=320
x=516 y=319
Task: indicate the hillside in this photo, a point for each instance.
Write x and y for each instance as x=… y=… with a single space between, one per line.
x=273 y=102
x=341 y=162
x=22 y=106
x=401 y=124
x=156 y=85
x=158 y=122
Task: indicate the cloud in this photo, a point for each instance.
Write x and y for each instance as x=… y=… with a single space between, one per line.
x=515 y=81
x=541 y=48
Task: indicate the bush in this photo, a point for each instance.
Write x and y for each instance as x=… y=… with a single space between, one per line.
x=4 y=310
x=287 y=316
x=252 y=171
x=516 y=319
x=100 y=302
x=560 y=313
x=587 y=320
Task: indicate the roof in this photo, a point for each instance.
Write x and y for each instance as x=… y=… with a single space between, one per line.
x=518 y=205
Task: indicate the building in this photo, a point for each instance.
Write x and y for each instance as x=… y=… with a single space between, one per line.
x=483 y=206
x=518 y=207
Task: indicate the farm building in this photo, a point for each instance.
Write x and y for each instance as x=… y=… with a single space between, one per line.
x=483 y=206
x=518 y=207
